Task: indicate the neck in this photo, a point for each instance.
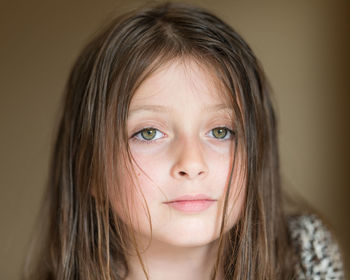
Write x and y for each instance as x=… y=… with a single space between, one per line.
x=164 y=261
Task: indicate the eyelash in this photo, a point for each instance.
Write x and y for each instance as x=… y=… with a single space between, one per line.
x=137 y=136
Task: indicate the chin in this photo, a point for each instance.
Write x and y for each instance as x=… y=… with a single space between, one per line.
x=188 y=241
x=191 y=235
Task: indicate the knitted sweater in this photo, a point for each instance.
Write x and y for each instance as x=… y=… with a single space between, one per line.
x=320 y=254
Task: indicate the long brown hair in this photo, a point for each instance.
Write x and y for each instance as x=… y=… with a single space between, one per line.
x=83 y=237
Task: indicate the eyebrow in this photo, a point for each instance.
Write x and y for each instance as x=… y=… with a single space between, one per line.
x=152 y=108
x=218 y=107
x=165 y=109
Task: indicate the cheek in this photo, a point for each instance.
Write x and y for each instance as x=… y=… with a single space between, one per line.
x=220 y=168
x=237 y=196
x=151 y=172
x=236 y=206
x=139 y=189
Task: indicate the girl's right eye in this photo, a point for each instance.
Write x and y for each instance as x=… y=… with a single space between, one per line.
x=148 y=134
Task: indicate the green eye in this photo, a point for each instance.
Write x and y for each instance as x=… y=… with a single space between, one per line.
x=220 y=132
x=148 y=133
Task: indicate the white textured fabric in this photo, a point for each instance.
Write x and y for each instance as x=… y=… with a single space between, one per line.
x=320 y=254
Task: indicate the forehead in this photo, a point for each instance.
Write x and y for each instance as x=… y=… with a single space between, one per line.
x=180 y=83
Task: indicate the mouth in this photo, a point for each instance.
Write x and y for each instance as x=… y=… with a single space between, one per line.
x=191 y=204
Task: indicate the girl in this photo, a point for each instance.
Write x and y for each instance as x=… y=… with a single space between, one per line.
x=166 y=162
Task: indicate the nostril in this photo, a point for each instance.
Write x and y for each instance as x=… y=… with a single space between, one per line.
x=183 y=173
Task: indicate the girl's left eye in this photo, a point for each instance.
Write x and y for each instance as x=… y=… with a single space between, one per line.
x=222 y=133
x=148 y=134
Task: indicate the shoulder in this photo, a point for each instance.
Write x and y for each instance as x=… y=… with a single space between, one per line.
x=319 y=253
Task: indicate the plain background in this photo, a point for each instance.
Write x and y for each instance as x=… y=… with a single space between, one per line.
x=304 y=49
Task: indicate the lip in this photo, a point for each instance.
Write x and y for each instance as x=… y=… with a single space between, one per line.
x=191 y=203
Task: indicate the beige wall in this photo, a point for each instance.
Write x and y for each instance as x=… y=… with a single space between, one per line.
x=303 y=46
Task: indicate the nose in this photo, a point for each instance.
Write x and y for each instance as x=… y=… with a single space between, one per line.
x=189 y=161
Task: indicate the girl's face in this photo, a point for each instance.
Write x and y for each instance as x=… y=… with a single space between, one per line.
x=182 y=142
